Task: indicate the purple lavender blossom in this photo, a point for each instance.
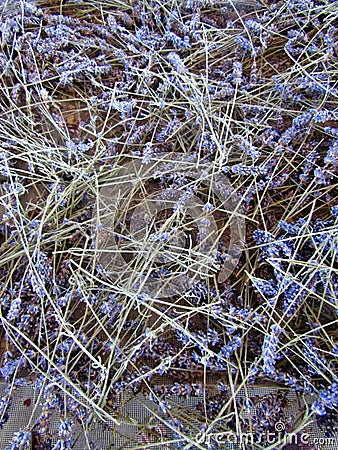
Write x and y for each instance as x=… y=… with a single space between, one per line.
x=21 y=440
x=269 y=351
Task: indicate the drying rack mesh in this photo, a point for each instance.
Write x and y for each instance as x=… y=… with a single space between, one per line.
x=140 y=412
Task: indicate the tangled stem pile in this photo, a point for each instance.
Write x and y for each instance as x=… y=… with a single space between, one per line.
x=250 y=90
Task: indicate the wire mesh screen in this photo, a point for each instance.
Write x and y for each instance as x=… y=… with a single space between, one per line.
x=142 y=429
